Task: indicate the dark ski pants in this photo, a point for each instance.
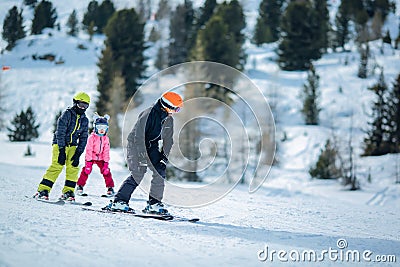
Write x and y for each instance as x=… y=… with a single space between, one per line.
x=137 y=174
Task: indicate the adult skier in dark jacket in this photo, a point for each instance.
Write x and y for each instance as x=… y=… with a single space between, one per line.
x=69 y=142
x=149 y=144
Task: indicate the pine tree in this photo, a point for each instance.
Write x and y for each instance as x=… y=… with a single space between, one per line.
x=311 y=98
x=377 y=142
x=105 y=11
x=215 y=43
x=363 y=67
x=45 y=17
x=90 y=16
x=123 y=47
x=105 y=78
x=326 y=166
x=181 y=33
x=342 y=21
x=72 y=24
x=24 y=127
x=323 y=24
x=268 y=21
x=206 y=12
x=98 y=15
x=394 y=116
x=299 y=34
x=233 y=16
x=13 y=29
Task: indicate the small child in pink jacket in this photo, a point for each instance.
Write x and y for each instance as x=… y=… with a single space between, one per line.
x=97 y=152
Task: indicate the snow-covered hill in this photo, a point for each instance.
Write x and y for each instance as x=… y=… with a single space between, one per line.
x=290 y=212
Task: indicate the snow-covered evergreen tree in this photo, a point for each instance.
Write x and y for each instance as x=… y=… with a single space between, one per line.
x=72 y=24
x=310 y=96
x=45 y=17
x=327 y=166
x=24 y=127
x=377 y=142
x=13 y=29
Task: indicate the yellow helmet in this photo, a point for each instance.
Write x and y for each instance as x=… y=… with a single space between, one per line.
x=82 y=96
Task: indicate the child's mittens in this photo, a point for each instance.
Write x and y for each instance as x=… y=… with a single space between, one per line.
x=88 y=167
x=105 y=170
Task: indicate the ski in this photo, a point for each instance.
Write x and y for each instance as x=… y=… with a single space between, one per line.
x=166 y=217
x=55 y=202
x=88 y=203
x=85 y=195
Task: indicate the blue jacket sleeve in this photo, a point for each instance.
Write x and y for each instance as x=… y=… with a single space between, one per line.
x=62 y=125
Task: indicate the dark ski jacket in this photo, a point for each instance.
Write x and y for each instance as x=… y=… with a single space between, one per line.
x=72 y=130
x=153 y=125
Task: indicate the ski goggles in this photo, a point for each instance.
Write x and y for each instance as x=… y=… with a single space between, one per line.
x=82 y=105
x=103 y=127
x=173 y=110
x=177 y=109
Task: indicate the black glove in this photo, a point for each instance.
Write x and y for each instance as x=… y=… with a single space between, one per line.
x=142 y=159
x=61 y=156
x=164 y=159
x=75 y=159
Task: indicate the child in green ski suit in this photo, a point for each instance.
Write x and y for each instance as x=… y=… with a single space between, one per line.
x=69 y=142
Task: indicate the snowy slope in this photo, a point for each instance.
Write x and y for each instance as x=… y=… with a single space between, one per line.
x=231 y=232
x=290 y=212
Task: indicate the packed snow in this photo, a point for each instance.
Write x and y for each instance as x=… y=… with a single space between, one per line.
x=283 y=223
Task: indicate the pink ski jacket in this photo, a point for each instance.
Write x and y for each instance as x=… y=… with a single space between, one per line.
x=98 y=148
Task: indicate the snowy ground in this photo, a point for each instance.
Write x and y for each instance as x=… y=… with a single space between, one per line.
x=290 y=212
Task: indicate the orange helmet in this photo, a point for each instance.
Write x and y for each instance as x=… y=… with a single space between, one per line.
x=171 y=102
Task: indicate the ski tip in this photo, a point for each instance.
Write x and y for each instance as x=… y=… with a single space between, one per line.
x=87 y=203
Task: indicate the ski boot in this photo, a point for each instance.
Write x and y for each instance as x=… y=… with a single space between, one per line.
x=44 y=194
x=110 y=192
x=68 y=196
x=79 y=190
x=155 y=208
x=118 y=205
